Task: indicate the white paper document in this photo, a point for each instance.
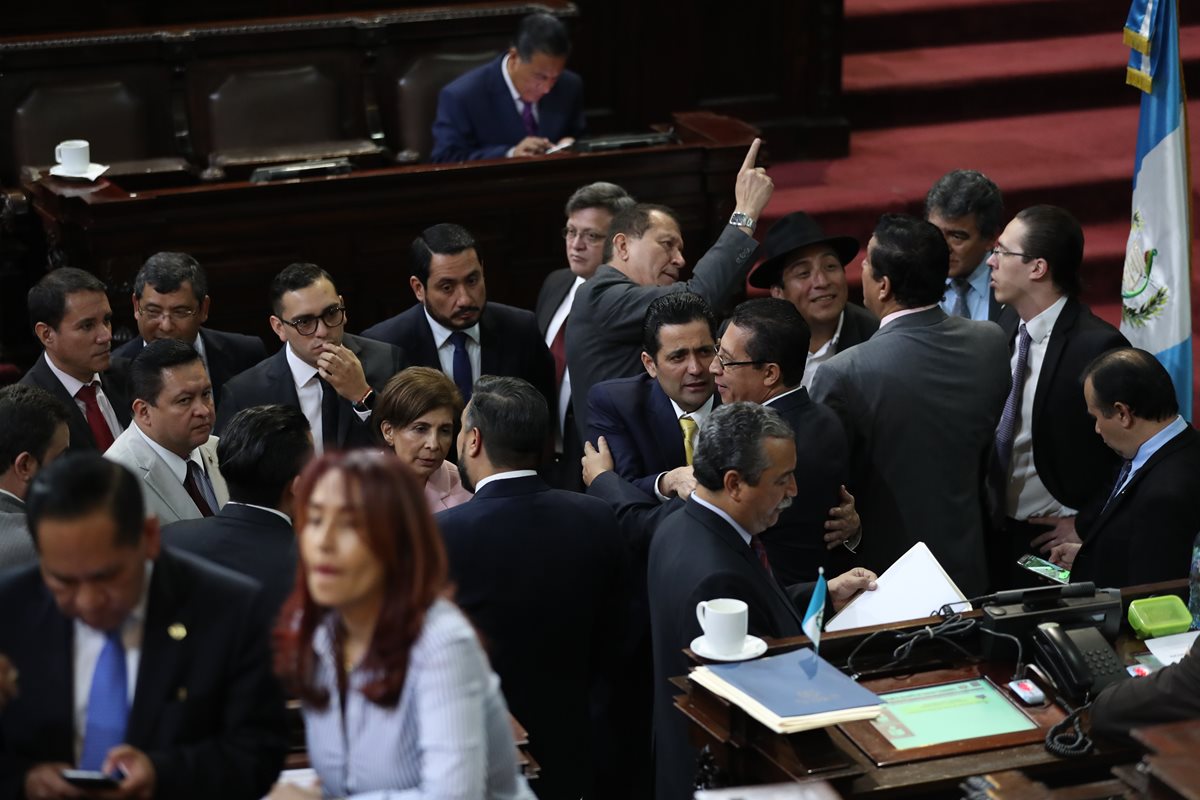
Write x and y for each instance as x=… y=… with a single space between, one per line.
x=1171 y=649
x=915 y=586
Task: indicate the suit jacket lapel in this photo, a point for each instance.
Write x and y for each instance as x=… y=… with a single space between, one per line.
x=663 y=422
x=164 y=635
x=208 y=451
x=217 y=359
x=490 y=362
x=81 y=432
x=160 y=480
x=504 y=109
x=1059 y=336
x=1180 y=441
x=279 y=379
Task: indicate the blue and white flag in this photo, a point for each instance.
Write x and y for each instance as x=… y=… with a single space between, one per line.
x=814 y=617
x=1156 y=286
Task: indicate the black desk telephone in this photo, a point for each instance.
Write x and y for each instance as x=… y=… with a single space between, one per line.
x=1078 y=660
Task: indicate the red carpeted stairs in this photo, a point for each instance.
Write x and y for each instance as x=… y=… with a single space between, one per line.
x=1030 y=92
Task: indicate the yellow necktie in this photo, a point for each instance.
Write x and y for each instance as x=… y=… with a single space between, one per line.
x=689 y=428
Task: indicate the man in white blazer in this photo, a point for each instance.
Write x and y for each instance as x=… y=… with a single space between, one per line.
x=170 y=445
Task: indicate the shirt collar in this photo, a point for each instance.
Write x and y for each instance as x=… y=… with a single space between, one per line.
x=274 y=511
x=1040 y=326
x=137 y=615
x=504 y=476
x=72 y=385
x=1155 y=443
x=720 y=512
x=793 y=390
x=904 y=312
x=979 y=278
x=441 y=333
x=825 y=348
x=13 y=496
x=177 y=465
x=699 y=415
x=512 y=90
x=302 y=372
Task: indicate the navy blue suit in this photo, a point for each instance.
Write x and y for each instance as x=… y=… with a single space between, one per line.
x=636 y=418
x=227 y=354
x=477 y=117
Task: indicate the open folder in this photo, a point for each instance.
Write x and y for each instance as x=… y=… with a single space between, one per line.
x=915 y=586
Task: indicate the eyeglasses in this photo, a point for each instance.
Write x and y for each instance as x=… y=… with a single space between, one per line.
x=591 y=237
x=999 y=251
x=176 y=314
x=307 y=326
x=727 y=364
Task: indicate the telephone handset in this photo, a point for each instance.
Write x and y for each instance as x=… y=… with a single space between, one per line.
x=1078 y=660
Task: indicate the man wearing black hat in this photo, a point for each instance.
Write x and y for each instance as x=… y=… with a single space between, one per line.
x=808 y=269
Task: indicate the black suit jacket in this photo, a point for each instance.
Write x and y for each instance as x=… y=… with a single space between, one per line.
x=245 y=539
x=227 y=354
x=207 y=709
x=509 y=344
x=551 y=295
x=115 y=382
x=858 y=326
x=530 y=583
x=696 y=555
x=637 y=420
x=270 y=381
x=1170 y=694
x=1145 y=533
x=1073 y=462
x=796 y=543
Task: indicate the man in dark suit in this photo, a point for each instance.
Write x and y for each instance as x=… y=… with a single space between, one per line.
x=919 y=402
x=1169 y=695
x=73 y=320
x=1142 y=532
x=643 y=259
x=518 y=105
x=1049 y=462
x=808 y=269
x=590 y=212
x=33 y=433
x=710 y=549
x=454 y=328
x=170 y=301
x=650 y=421
x=967 y=207
x=261 y=452
x=527 y=584
x=330 y=375
x=201 y=717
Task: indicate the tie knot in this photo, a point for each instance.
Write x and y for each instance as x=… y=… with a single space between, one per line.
x=688 y=424
x=961 y=285
x=87 y=392
x=458 y=339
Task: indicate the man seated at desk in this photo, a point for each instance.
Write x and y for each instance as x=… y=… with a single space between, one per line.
x=1169 y=695
x=521 y=104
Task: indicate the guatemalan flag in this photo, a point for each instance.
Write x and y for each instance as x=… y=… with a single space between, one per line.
x=814 y=617
x=1156 y=287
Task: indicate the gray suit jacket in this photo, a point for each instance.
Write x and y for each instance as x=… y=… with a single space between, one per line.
x=920 y=401
x=163 y=493
x=16 y=545
x=604 y=339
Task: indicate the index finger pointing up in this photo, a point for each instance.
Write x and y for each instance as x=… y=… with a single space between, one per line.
x=751 y=156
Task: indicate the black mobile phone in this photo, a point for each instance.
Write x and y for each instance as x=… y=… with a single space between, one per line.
x=92 y=779
x=1047 y=569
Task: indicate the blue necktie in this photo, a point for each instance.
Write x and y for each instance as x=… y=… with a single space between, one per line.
x=462 y=365
x=1121 y=476
x=108 y=707
x=1006 y=430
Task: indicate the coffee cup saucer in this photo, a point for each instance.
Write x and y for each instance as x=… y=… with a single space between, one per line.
x=92 y=172
x=752 y=647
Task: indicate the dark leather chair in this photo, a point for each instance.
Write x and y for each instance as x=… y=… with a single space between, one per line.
x=416 y=92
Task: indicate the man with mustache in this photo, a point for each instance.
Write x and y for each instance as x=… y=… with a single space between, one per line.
x=967 y=207
x=454 y=328
x=72 y=319
x=170 y=445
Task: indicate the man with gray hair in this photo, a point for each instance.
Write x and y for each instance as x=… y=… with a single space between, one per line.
x=967 y=207
x=744 y=462
x=590 y=211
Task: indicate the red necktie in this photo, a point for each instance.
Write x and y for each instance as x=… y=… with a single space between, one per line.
x=192 y=486
x=760 y=550
x=558 y=349
x=95 y=420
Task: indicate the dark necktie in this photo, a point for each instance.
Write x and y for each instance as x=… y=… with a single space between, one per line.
x=95 y=420
x=108 y=705
x=191 y=484
x=462 y=365
x=1007 y=428
x=961 y=288
x=1121 y=476
x=527 y=118
x=558 y=349
x=760 y=550
x=329 y=414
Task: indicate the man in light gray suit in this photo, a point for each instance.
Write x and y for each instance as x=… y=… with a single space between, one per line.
x=643 y=259
x=33 y=432
x=920 y=401
x=169 y=445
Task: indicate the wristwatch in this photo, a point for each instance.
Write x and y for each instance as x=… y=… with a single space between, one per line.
x=367 y=402
x=742 y=220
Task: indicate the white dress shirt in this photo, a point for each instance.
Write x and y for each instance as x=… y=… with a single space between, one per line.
x=445 y=348
x=73 y=385
x=823 y=354
x=308 y=390
x=699 y=416
x=564 y=391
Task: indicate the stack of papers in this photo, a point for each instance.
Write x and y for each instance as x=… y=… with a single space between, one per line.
x=792 y=692
x=914 y=587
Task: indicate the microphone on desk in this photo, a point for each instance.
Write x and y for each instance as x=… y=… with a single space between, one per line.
x=1040 y=593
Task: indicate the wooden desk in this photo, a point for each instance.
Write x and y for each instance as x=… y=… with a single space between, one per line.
x=359 y=226
x=749 y=753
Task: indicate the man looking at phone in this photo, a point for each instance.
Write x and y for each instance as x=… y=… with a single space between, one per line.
x=135 y=662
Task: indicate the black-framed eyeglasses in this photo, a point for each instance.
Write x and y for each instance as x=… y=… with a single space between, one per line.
x=727 y=364
x=307 y=326
x=591 y=237
x=999 y=251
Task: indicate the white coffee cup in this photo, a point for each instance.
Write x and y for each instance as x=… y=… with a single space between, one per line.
x=75 y=155
x=724 y=624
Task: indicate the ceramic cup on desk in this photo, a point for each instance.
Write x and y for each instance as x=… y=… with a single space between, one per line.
x=724 y=623
x=75 y=155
